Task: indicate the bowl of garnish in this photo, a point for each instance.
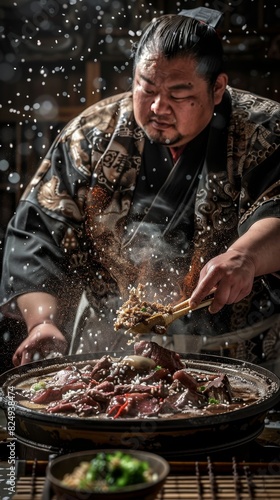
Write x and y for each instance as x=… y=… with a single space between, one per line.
x=107 y=474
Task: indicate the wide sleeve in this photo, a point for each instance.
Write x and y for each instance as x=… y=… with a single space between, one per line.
x=253 y=156
x=260 y=194
x=48 y=224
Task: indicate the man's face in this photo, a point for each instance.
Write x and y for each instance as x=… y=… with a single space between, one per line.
x=172 y=103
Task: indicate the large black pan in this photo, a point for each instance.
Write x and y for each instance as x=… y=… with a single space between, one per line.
x=57 y=433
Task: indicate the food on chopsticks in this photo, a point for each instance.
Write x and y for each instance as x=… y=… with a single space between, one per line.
x=109 y=472
x=141 y=317
x=137 y=309
x=154 y=382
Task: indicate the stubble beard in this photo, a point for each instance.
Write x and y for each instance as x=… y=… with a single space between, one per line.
x=158 y=137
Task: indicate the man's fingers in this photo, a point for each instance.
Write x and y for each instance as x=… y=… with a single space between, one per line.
x=26 y=357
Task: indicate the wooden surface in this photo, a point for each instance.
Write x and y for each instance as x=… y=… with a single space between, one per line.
x=193 y=480
x=187 y=488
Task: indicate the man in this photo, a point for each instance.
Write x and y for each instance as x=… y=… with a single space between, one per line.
x=174 y=186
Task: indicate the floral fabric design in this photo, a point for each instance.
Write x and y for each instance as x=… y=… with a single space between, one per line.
x=69 y=234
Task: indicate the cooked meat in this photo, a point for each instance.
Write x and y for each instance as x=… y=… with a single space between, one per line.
x=162 y=356
x=154 y=382
x=136 y=309
x=219 y=389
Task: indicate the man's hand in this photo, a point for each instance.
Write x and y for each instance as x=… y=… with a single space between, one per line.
x=231 y=274
x=255 y=253
x=42 y=340
x=39 y=310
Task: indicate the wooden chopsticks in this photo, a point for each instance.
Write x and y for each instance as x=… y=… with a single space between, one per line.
x=185 y=304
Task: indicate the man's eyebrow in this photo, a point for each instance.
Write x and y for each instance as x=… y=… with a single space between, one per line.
x=177 y=86
x=143 y=77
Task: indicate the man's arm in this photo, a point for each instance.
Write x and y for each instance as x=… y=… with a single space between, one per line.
x=40 y=311
x=255 y=253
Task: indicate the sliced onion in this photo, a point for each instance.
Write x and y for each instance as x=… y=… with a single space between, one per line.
x=139 y=362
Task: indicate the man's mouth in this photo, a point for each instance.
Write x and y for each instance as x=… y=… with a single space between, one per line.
x=160 y=125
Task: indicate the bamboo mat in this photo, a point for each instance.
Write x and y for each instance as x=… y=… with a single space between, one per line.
x=189 y=487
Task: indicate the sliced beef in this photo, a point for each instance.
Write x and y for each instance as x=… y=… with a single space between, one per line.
x=219 y=389
x=102 y=368
x=124 y=389
x=81 y=405
x=120 y=373
x=159 y=391
x=133 y=405
x=45 y=396
x=156 y=376
x=168 y=408
x=105 y=387
x=186 y=399
x=185 y=378
x=49 y=394
x=162 y=356
x=66 y=376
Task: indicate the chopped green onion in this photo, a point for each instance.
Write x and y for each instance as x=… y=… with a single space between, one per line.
x=213 y=401
x=38 y=386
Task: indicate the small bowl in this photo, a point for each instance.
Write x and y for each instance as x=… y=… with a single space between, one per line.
x=65 y=464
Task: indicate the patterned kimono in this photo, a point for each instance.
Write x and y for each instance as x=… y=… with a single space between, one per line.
x=108 y=210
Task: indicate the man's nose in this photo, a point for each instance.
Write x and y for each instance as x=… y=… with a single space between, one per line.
x=160 y=105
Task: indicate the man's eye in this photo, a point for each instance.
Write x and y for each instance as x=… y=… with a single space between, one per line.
x=147 y=91
x=144 y=88
x=180 y=97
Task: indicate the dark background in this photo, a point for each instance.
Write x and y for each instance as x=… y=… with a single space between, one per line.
x=57 y=57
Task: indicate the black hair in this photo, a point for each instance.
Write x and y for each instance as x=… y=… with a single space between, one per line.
x=175 y=35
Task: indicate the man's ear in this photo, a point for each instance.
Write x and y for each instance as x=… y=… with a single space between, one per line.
x=220 y=87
